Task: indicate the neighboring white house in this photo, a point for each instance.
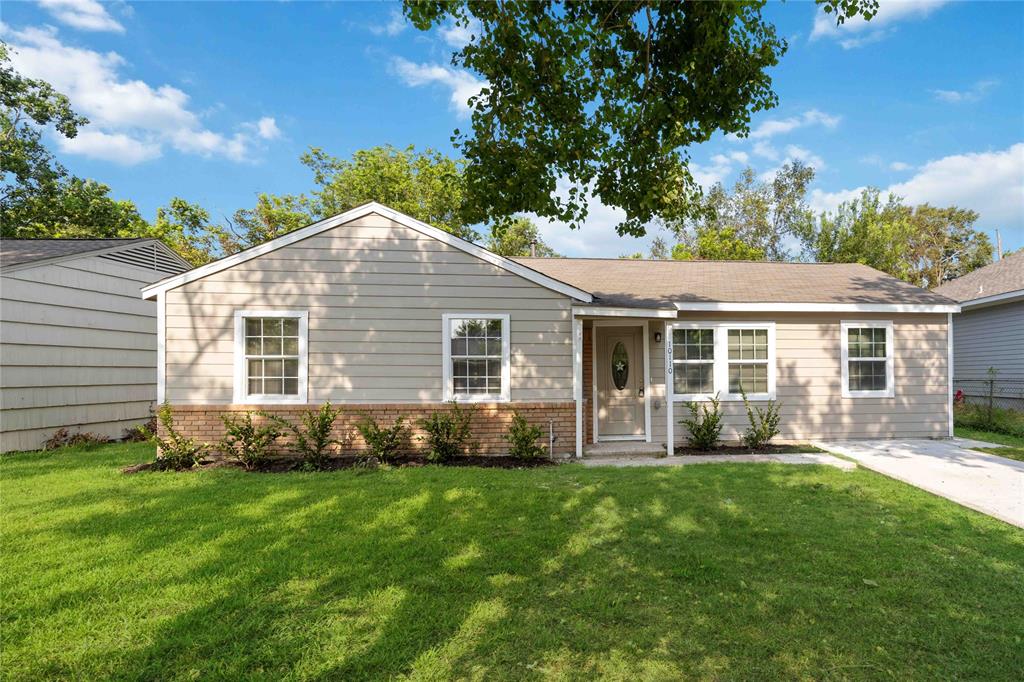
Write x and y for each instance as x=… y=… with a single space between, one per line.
x=77 y=345
x=385 y=315
x=989 y=331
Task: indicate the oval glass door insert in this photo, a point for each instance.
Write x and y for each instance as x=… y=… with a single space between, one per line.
x=620 y=366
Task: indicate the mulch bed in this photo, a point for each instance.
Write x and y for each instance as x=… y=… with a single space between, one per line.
x=280 y=465
x=743 y=450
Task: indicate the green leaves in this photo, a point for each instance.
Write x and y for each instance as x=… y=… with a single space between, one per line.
x=604 y=99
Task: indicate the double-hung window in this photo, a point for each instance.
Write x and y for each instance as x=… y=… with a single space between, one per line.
x=723 y=358
x=271 y=356
x=476 y=357
x=867 y=357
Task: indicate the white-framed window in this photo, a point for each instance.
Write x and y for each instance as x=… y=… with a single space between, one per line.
x=722 y=358
x=867 y=358
x=271 y=356
x=477 y=357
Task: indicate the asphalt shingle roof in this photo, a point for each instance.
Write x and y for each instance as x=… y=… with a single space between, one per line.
x=655 y=283
x=21 y=251
x=1001 y=277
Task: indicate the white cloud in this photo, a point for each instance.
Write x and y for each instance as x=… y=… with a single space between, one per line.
x=856 y=32
x=136 y=118
x=267 y=128
x=462 y=84
x=395 y=24
x=972 y=94
x=797 y=153
x=991 y=183
x=116 y=147
x=773 y=127
x=899 y=166
x=87 y=15
x=459 y=36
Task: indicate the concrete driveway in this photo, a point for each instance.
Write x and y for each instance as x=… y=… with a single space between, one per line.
x=989 y=484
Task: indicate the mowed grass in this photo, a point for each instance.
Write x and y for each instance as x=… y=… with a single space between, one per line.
x=1014 y=445
x=716 y=571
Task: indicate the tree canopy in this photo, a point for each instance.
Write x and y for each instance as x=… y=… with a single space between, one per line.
x=518 y=237
x=605 y=99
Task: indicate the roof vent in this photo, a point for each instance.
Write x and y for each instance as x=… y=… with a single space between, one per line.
x=149 y=256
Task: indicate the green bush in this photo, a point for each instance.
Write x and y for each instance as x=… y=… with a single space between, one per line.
x=447 y=433
x=62 y=438
x=705 y=425
x=984 y=418
x=245 y=441
x=522 y=438
x=313 y=440
x=175 y=450
x=384 y=443
x=764 y=424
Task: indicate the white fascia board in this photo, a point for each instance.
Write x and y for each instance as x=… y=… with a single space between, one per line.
x=353 y=214
x=599 y=311
x=818 y=307
x=1007 y=297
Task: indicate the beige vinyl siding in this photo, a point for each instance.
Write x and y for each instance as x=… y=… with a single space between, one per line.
x=77 y=350
x=808 y=380
x=989 y=337
x=375 y=292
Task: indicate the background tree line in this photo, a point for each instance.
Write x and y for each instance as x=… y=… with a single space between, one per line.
x=606 y=98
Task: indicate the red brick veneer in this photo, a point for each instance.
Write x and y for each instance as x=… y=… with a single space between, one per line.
x=490 y=422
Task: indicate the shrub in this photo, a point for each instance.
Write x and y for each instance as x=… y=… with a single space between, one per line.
x=140 y=432
x=447 y=432
x=62 y=438
x=522 y=438
x=384 y=443
x=313 y=438
x=245 y=441
x=764 y=424
x=705 y=425
x=175 y=450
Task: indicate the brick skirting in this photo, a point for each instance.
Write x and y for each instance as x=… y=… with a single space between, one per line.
x=490 y=422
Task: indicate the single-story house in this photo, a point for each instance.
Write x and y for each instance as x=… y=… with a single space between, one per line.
x=77 y=346
x=385 y=315
x=989 y=330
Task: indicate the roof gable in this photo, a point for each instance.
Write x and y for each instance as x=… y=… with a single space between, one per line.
x=373 y=207
x=1004 y=277
x=18 y=254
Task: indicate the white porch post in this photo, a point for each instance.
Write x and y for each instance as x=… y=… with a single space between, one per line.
x=949 y=368
x=577 y=380
x=669 y=392
x=161 y=348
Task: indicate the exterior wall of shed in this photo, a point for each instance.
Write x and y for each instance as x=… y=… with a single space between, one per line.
x=375 y=291
x=77 y=350
x=808 y=380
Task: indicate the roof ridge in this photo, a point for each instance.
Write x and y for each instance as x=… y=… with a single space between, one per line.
x=673 y=260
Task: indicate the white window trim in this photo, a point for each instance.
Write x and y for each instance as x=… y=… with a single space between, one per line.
x=241 y=396
x=506 y=358
x=721 y=363
x=890 y=353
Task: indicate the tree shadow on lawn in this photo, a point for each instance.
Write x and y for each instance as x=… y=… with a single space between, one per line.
x=731 y=570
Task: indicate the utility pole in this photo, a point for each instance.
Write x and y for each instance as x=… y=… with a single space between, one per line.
x=999 y=246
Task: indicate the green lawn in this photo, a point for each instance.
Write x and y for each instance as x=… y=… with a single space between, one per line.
x=718 y=571
x=1014 y=444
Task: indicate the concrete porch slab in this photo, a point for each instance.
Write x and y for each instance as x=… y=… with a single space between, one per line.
x=625 y=448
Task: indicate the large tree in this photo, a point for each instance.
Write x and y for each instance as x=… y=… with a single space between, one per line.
x=518 y=237
x=754 y=219
x=923 y=245
x=605 y=98
x=426 y=185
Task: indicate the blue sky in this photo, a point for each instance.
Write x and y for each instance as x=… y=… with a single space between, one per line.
x=215 y=102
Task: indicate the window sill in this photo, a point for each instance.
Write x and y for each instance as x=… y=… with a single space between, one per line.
x=725 y=398
x=869 y=394
x=477 y=399
x=270 y=400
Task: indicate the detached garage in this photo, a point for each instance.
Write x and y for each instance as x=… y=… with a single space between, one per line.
x=78 y=347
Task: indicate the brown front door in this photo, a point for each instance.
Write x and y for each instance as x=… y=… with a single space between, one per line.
x=620 y=382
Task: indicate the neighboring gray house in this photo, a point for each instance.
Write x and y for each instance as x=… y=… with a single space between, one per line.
x=388 y=316
x=989 y=330
x=78 y=347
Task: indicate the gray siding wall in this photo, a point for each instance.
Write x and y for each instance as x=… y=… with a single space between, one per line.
x=77 y=350
x=989 y=337
x=375 y=292
x=808 y=378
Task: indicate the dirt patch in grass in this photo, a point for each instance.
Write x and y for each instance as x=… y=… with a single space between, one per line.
x=280 y=465
x=743 y=450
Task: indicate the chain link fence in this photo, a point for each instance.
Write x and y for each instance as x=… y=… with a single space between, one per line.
x=994 y=392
